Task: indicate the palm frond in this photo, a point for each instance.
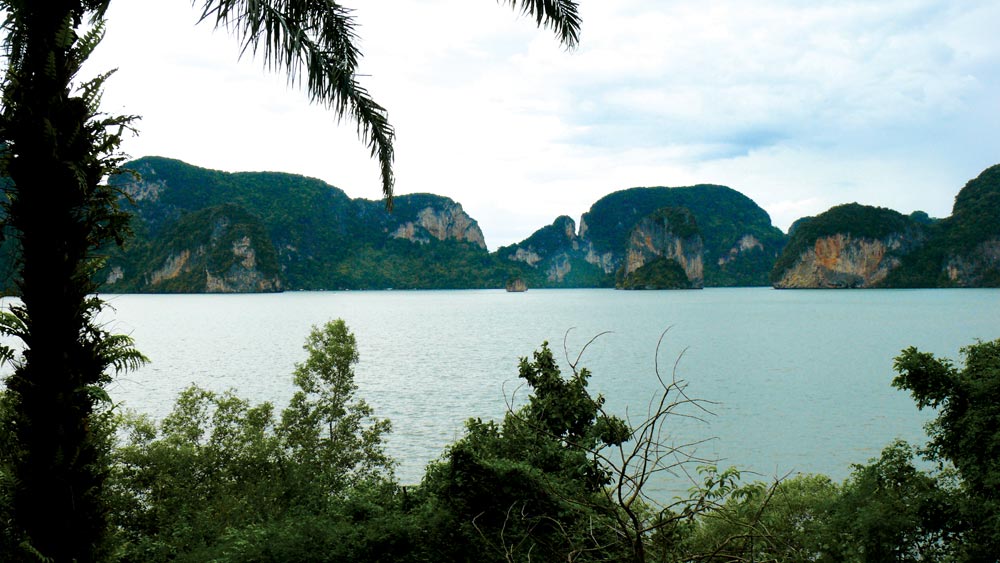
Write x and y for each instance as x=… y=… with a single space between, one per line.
x=11 y=324
x=314 y=42
x=118 y=351
x=561 y=16
x=7 y=355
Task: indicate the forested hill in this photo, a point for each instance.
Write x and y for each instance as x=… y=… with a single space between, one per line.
x=204 y=230
x=200 y=230
x=962 y=250
x=740 y=243
x=848 y=246
x=862 y=246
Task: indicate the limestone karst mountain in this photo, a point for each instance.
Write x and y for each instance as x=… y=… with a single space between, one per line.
x=201 y=230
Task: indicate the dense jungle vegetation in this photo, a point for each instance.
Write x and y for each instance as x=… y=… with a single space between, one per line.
x=555 y=479
x=957 y=251
x=968 y=232
x=307 y=233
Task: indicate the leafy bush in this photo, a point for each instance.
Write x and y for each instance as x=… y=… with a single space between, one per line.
x=218 y=469
x=966 y=434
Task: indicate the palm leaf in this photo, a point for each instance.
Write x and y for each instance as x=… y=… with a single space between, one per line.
x=562 y=16
x=118 y=351
x=313 y=41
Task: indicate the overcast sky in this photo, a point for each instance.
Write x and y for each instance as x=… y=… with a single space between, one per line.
x=800 y=105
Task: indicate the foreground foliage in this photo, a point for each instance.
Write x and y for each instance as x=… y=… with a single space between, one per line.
x=218 y=474
x=965 y=434
x=556 y=479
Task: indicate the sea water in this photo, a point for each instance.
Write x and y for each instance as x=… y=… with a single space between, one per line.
x=794 y=381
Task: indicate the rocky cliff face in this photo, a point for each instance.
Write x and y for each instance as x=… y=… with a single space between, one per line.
x=528 y=256
x=606 y=260
x=848 y=246
x=553 y=250
x=217 y=250
x=173 y=266
x=979 y=268
x=739 y=242
x=843 y=261
x=669 y=234
x=189 y=266
x=242 y=275
x=324 y=239
x=558 y=268
x=327 y=240
x=970 y=238
x=446 y=222
x=516 y=285
x=747 y=243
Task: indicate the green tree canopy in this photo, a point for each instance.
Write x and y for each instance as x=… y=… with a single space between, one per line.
x=965 y=433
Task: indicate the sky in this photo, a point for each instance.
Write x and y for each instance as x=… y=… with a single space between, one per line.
x=801 y=105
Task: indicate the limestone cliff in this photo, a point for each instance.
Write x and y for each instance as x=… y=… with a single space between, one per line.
x=607 y=260
x=220 y=249
x=544 y=245
x=667 y=235
x=516 y=285
x=323 y=238
x=965 y=249
x=739 y=243
x=842 y=261
x=327 y=240
x=557 y=254
x=738 y=240
x=746 y=244
x=447 y=221
x=978 y=268
x=242 y=275
x=849 y=246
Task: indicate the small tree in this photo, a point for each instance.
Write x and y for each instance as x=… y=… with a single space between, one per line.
x=219 y=473
x=786 y=520
x=889 y=510
x=324 y=427
x=561 y=478
x=966 y=433
x=521 y=489
x=641 y=452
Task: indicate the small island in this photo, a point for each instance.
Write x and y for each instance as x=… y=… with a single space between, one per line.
x=516 y=285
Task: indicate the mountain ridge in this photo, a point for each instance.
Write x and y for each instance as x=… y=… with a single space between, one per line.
x=856 y=245
x=203 y=230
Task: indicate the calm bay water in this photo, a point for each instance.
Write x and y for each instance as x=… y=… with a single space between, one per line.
x=800 y=378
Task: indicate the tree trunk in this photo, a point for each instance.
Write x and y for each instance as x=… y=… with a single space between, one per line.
x=57 y=500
